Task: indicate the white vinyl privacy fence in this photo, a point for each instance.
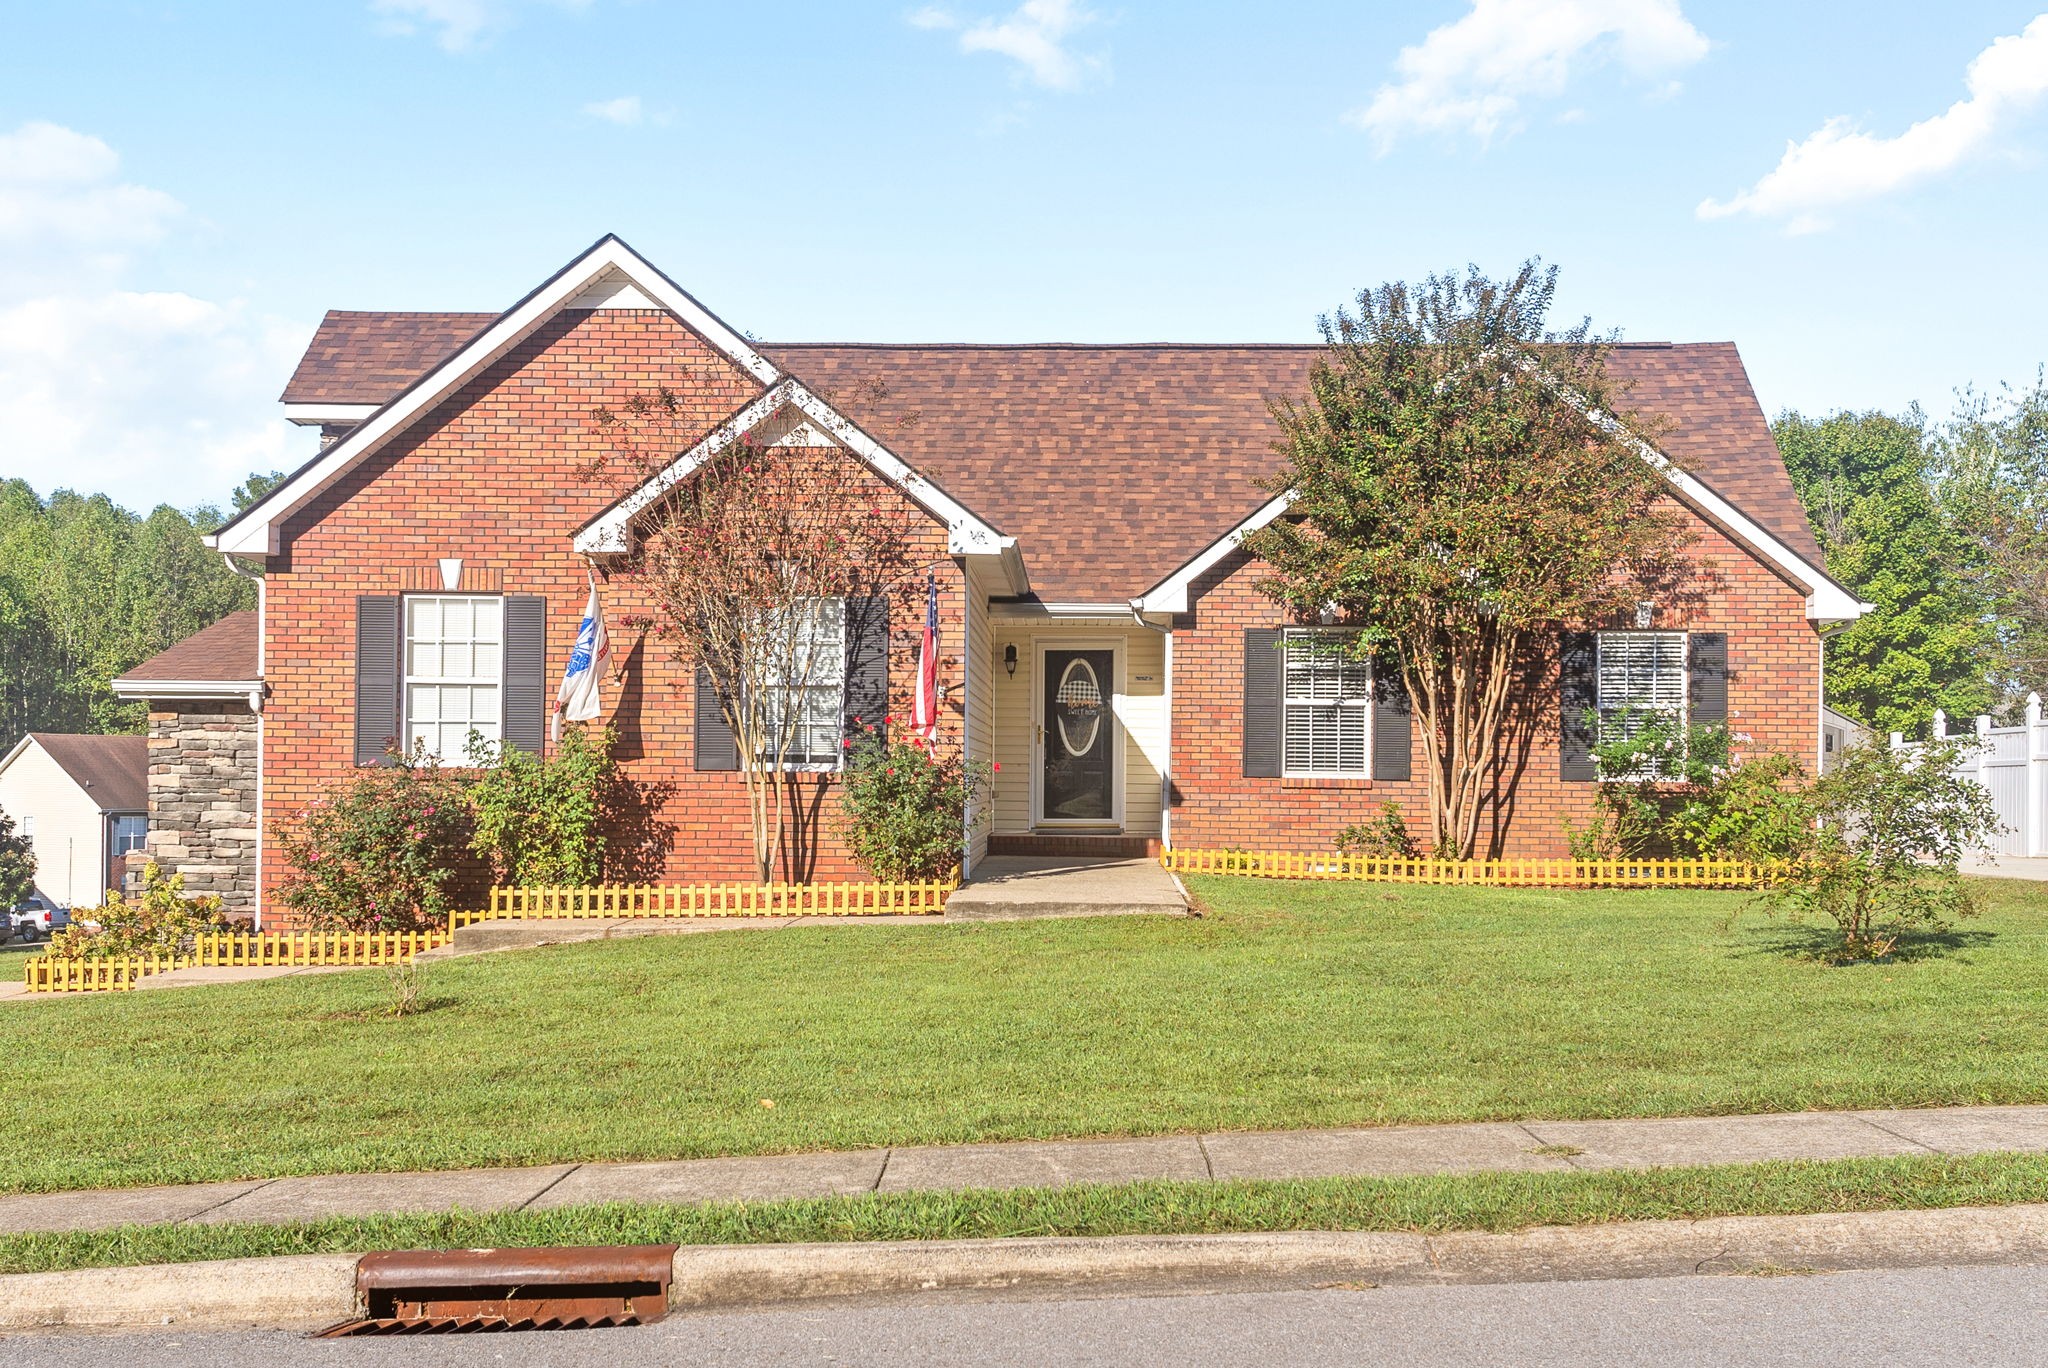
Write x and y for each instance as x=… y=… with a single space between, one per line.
x=2012 y=764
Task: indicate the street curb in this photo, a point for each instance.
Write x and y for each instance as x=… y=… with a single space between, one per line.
x=297 y=1291
x=308 y=1290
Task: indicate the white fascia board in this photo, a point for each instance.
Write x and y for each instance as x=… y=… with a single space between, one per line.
x=611 y=533
x=187 y=688
x=19 y=747
x=1170 y=595
x=316 y=415
x=255 y=531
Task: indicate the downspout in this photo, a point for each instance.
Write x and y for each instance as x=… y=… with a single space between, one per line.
x=256 y=707
x=1166 y=772
x=967 y=708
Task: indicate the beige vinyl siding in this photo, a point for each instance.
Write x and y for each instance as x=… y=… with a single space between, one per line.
x=982 y=669
x=71 y=831
x=1139 y=705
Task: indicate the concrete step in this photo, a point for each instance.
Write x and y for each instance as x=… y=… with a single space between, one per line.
x=1013 y=887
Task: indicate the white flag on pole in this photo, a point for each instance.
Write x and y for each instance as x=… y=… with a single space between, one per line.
x=577 y=699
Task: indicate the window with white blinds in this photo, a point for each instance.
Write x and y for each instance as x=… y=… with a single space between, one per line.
x=1641 y=676
x=454 y=672
x=1326 y=703
x=806 y=684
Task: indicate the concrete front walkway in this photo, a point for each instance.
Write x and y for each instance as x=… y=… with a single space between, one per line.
x=1010 y=887
x=1534 y=1146
x=16 y=991
x=2008 y=867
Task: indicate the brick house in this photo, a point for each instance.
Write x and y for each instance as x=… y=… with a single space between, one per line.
x=1079 y=505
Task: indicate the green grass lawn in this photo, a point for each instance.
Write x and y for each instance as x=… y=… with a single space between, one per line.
x=1290 y=1005
x=1479 y=1201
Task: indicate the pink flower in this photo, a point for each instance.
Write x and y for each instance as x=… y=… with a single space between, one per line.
x=997 y=767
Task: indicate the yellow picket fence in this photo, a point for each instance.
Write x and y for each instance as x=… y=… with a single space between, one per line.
x=277 y=949
x=47 y=973
x=716 y=900
x=1272 y=864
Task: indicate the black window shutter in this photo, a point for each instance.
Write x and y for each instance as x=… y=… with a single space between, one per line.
x=376 y=677
x=1393 y=722
x=715 y=748
x=1262 y=714
x=1706 y=684
x=866 y=701
x=1578 y=691
x=526 y=663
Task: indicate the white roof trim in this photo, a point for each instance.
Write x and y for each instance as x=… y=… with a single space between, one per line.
x=611 y=532
x=1170 y=595
x=255 y=531
x=187 y=688
x=312 y=415
x=1826 y=601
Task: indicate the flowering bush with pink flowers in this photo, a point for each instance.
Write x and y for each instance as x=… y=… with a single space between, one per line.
x=377 y=853
x=905 y=809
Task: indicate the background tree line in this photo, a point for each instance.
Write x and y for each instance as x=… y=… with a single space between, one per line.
x=89 y=590
x=1944 y=526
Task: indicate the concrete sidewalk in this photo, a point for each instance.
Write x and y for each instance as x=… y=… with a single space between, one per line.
x=1534 y=1146
x=1014 y=887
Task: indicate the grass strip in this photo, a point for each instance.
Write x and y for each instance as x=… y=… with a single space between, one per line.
x=1426 y=1205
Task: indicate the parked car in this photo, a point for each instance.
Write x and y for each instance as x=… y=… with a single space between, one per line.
x=35 y=919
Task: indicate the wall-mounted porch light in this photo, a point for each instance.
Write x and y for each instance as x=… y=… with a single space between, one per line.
x=1010 y=659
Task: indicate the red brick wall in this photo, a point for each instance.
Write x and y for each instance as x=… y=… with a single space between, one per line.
x=492 y=476
x=1774 y=690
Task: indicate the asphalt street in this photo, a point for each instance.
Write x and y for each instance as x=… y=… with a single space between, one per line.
x=1979 y=1317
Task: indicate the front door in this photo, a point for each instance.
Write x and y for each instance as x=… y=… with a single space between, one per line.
x=1077 y=738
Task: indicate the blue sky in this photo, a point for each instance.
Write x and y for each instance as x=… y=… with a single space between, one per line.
x=1853 y=192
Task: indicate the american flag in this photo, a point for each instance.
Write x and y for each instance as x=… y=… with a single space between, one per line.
x=924 y=719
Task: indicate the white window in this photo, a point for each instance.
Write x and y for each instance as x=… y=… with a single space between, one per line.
x=28 y=826
x=129 y=834
x=805 y=683
x=1326 y=696
x=454 y=672
x=1641 y=678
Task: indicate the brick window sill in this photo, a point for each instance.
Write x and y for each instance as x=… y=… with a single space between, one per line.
x=1306 y=783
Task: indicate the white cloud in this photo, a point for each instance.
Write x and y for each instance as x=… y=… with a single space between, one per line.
x=459 y=25
x=1036 y=35
x=1840 y=163
x=148 y=395
x=1473 y=74
x=624 y=111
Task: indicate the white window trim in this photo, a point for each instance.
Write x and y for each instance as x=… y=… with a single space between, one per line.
x=838 y=761
x=406 y=678
x=1363 y=705
x=1684 y=710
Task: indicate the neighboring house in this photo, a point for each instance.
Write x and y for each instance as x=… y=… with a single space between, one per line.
x=1838 y=733
x=81 y=802
x=205 y=697
x=1080 y=506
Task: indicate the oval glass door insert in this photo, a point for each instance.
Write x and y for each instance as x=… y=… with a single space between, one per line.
x=1080 y=707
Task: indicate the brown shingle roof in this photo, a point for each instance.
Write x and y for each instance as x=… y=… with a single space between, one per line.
x=226 y=652
x=1114 y=465
x=366 y=358
x=113 y=770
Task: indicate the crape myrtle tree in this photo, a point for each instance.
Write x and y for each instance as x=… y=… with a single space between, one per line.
x=1461 y=490
x=17 y=865
x=758 y=565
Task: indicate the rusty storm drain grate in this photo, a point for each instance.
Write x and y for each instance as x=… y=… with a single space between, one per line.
x=457 y=1291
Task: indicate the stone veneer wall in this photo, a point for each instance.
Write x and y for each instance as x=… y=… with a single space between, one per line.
x=202 y=797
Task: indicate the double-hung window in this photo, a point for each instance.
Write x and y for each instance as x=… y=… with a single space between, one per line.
x=130 y=833
x=1641 y=681
x=1326 y=698
x=454 y=672
x=805 y=685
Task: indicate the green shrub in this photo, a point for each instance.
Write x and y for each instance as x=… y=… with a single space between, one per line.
x=17 y=865
x=1384 y=837
x=1671 y=790
x=1881 y=859
x=377 y=854
x=904 y=809
x=538 y=820
x=161 y=920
